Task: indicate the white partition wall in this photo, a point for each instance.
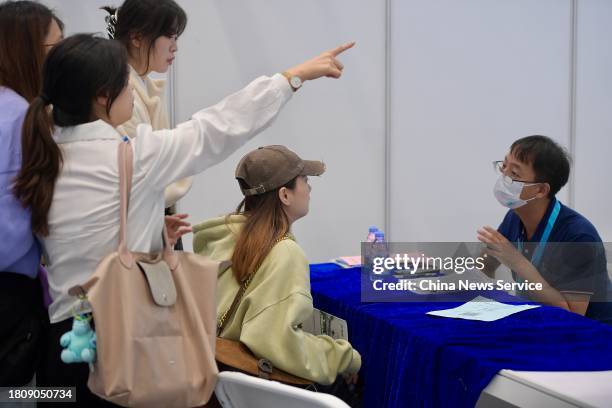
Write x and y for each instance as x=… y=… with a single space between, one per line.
x=229 y=43
x=433 y=92
x=468 y=78
x=593 y=165
x=81 y=16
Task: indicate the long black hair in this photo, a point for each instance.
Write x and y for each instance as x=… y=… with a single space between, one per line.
x=149 y=19
x=76 y=71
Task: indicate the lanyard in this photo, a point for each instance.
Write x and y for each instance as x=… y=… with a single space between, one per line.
x=537 y=255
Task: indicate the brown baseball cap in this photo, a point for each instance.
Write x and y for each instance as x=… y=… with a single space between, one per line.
x=270 y=167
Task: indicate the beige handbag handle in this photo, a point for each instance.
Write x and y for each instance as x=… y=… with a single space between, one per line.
x=126 y=166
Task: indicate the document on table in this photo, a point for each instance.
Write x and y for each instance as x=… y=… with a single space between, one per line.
x=325 y=323
x=348 y=261
x=482 y=308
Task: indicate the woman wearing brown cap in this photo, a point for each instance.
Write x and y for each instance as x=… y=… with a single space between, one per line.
x=269 y=263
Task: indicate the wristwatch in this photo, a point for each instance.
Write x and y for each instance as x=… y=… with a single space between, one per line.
x=295 y=81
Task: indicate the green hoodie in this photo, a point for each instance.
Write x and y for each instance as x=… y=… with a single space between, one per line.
x=268 y=320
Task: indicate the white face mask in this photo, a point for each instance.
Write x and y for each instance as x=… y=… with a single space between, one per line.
x=509 y=193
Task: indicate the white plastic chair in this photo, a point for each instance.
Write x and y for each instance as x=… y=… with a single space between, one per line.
x=237 y=390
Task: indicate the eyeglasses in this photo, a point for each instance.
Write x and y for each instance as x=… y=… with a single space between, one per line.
x=499 y=168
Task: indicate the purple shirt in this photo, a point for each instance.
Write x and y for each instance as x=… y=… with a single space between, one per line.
x=19 y=250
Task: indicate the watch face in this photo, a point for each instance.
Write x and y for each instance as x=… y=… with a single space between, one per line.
x=296 y=82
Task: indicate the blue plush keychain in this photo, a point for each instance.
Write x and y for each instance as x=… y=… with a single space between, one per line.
x=79 y=343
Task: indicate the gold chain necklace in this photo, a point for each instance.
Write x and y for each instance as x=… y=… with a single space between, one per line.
x=243 y=287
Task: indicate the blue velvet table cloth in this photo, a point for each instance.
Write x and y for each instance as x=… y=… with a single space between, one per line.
x=410 y=359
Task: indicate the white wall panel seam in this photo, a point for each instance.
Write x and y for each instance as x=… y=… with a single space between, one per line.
x=571 y=187
x=171 y=98
x=170 y=86
x=387 y=181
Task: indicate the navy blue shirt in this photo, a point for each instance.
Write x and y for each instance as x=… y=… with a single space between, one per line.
x=574 y=259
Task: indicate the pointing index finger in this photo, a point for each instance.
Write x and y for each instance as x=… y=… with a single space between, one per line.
x=340 y=49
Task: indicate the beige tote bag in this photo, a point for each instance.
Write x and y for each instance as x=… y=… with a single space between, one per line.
x=155 y=320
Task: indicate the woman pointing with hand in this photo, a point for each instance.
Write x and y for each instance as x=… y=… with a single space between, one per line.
x=74 y=206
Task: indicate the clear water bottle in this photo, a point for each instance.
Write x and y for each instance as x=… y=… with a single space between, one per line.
x=371 y=234
x=380 y=245
x=368 y=248
x=380 y=249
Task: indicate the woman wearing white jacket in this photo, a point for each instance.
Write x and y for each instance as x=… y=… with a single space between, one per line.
x=70 y=179
x=149 y=29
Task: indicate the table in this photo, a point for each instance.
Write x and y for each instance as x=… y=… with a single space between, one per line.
x=547 y=389
x=413 y=359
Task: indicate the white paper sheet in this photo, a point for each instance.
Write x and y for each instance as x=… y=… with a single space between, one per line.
x=483 y=309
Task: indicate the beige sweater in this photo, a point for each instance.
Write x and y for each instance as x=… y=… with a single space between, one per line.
x=149 y=109
x=278 y=300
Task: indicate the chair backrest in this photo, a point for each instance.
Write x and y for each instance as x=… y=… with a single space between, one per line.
x=237 y=390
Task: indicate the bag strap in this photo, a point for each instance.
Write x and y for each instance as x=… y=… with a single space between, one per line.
x=229 y=313
x=232 y=355
x=125 y=158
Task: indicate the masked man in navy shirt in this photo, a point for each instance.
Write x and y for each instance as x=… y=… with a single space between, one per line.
x=543 y=241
